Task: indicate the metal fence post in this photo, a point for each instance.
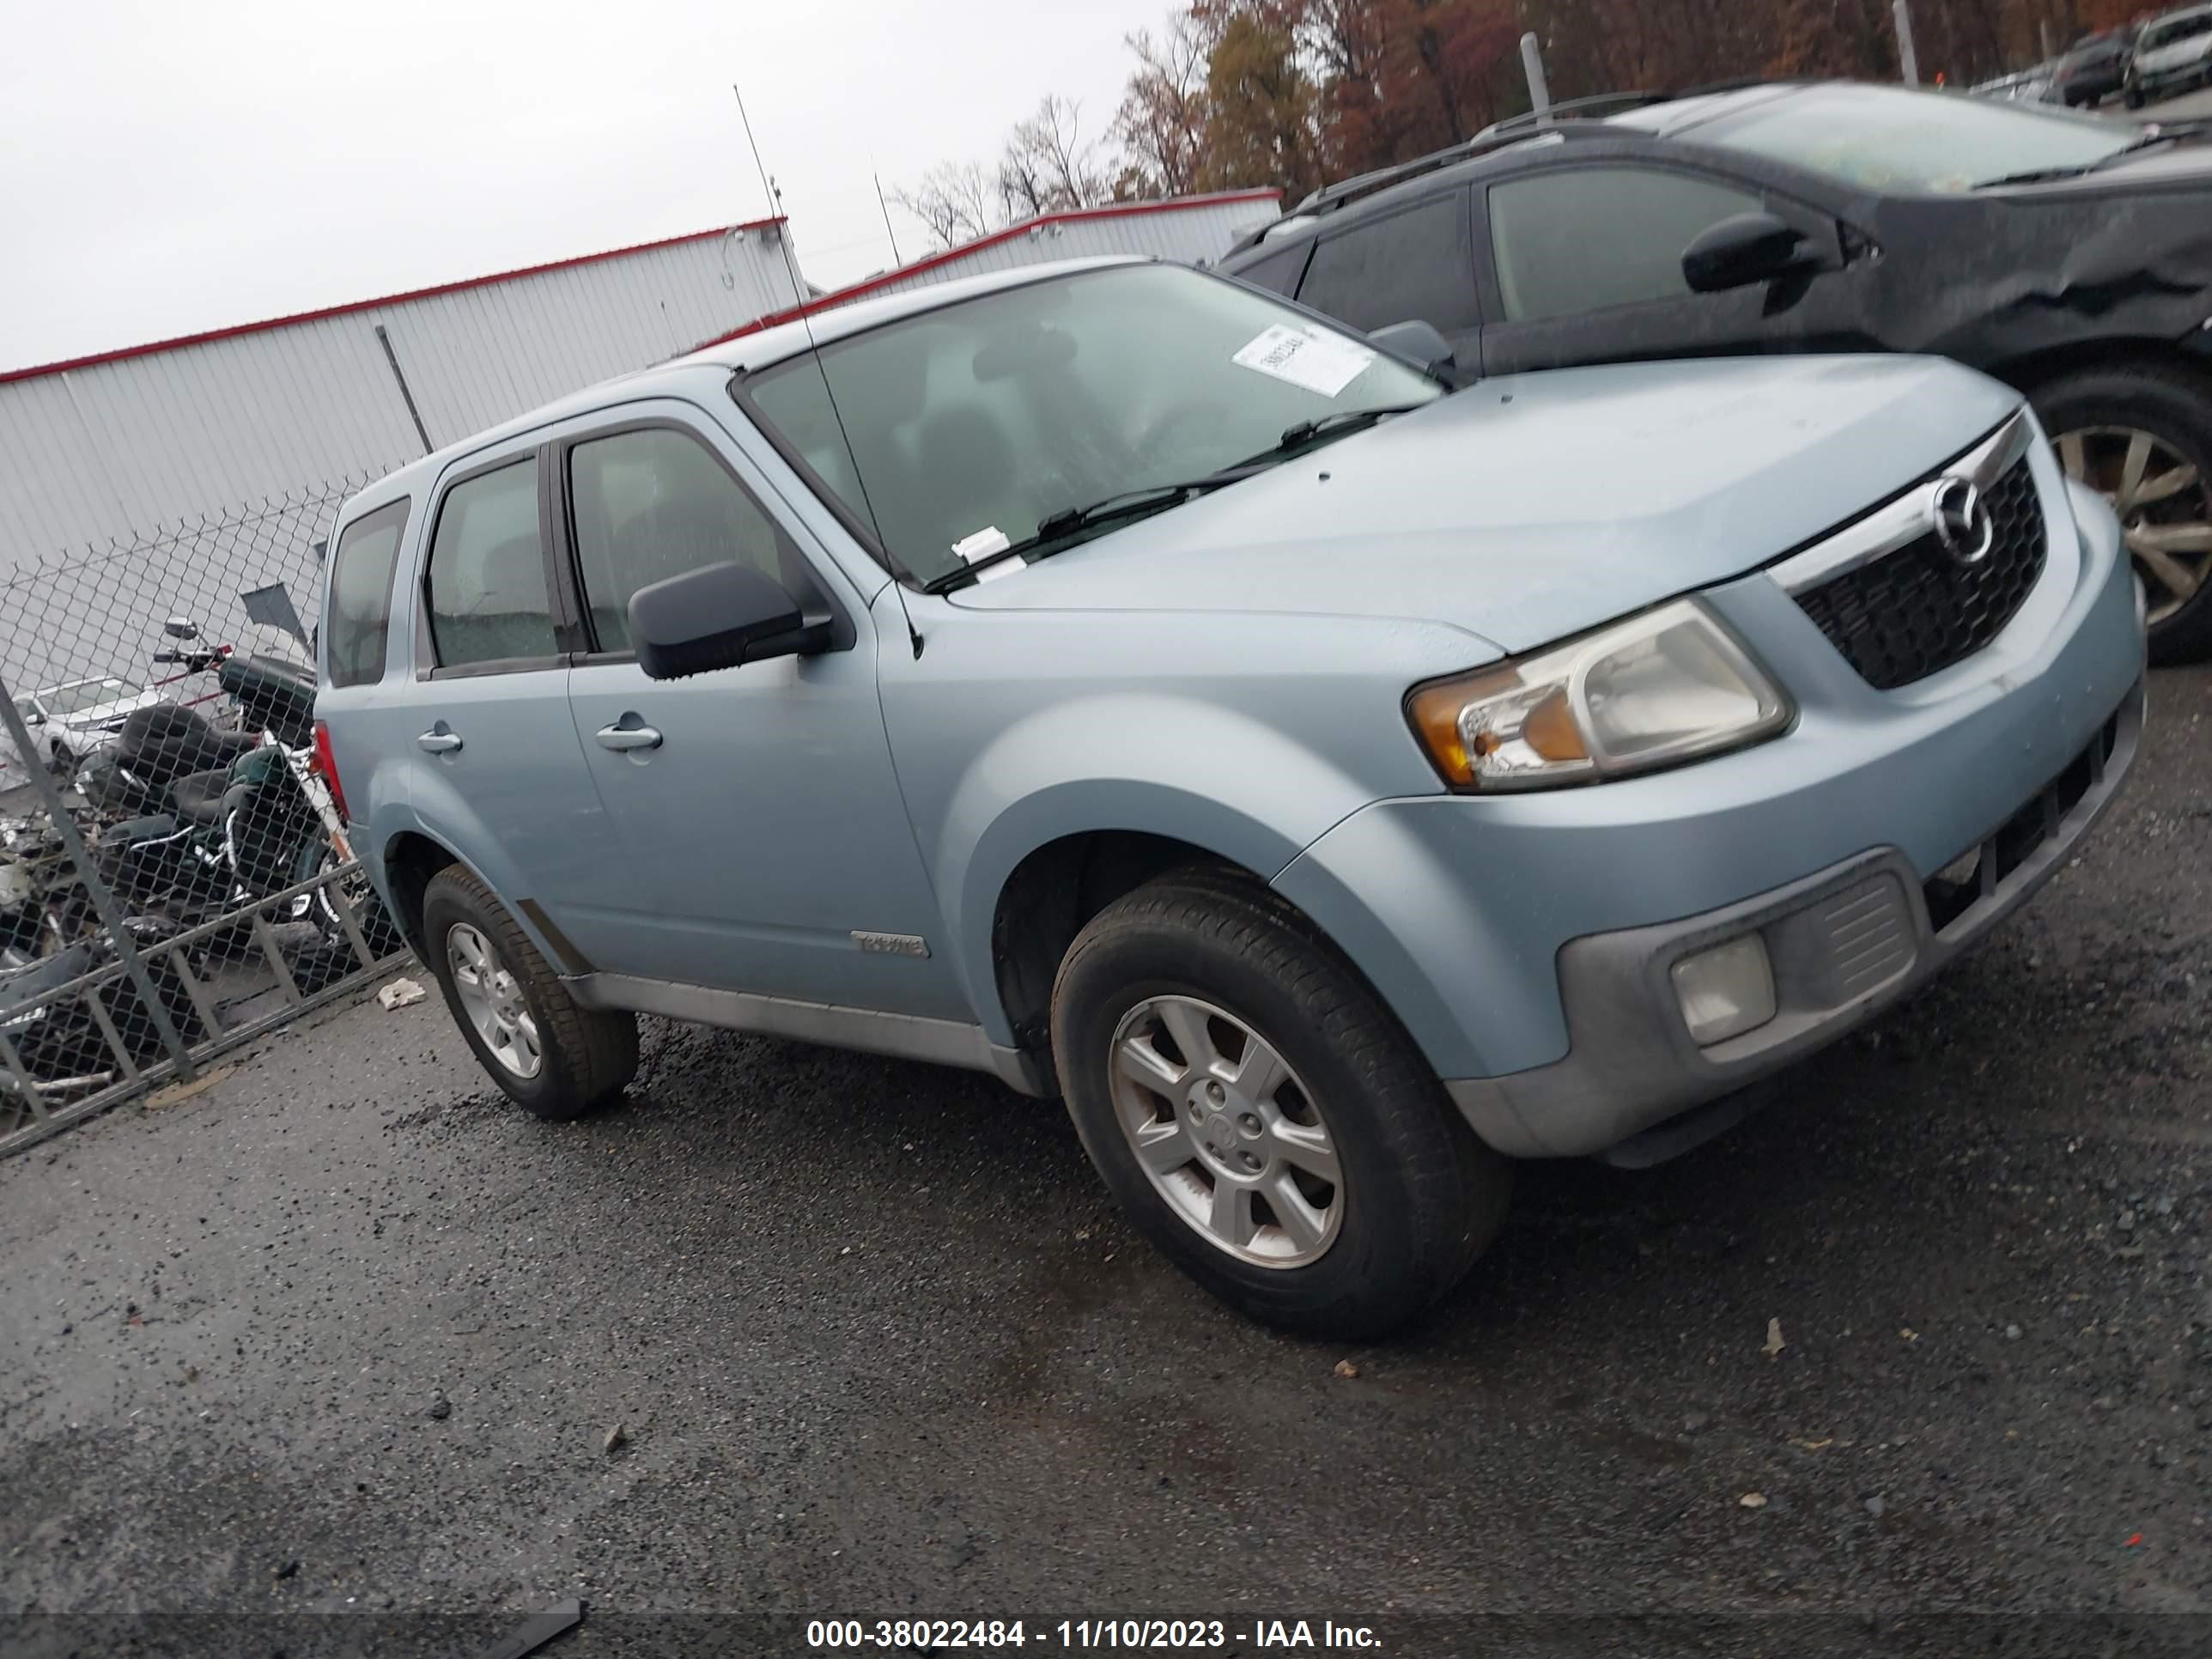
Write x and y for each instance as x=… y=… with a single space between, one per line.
x=103 y=902
x=1908 y=60
x=1532 y=62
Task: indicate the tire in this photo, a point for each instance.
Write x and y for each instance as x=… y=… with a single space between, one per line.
x=585 y=1058
x=64 y=764
x=2134 y=98
x=1418 y=1196
x=2173 y=406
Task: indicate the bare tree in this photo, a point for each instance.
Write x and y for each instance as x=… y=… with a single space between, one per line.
x=955 y=201
x=1046 y=166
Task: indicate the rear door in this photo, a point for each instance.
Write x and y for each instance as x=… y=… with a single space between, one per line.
x=1411 y=263
x=499 y=774
x=1581 y=263
x=765 y=845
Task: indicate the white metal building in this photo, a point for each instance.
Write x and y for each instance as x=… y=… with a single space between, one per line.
x=1193 y=229
x=116 y=445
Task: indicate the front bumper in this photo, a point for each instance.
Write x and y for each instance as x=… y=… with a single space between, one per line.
x=1843 y=943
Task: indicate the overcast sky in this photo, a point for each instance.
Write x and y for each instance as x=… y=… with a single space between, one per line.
x=166 y=168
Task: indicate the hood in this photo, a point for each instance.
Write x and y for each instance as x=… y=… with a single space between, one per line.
x=1527 y=509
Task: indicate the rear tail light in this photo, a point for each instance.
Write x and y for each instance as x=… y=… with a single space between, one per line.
x=327 y=767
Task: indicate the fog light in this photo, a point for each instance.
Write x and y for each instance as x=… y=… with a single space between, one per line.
x=1726 y=991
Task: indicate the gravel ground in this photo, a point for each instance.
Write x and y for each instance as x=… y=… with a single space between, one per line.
x=344 y=1334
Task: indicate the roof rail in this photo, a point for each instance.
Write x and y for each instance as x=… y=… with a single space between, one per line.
x=1497 y=136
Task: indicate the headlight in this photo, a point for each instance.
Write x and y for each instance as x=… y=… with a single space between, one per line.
x=1656 y=691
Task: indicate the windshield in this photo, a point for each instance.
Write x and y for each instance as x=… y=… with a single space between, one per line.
x=66 y=700
x=1885 y=138
x=995 y=413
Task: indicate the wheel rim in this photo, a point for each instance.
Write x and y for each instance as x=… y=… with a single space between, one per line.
x=2164 y=503
x=493 y=1001
x=1225 y=1132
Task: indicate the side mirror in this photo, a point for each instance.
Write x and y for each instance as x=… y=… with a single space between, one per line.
x=32 y=717
x=719 y=616
x=1750 y=247
x=181 y=628
x=1419 y=343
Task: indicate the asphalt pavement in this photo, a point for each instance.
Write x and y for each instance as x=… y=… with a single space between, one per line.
x=331 y=1354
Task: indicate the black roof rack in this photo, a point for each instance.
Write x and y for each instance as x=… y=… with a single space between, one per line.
x=1497 y=136
x=1514 y=130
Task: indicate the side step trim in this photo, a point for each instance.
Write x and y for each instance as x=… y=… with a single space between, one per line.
x=904 y=1036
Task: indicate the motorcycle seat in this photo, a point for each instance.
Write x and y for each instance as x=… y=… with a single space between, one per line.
x=199 y=796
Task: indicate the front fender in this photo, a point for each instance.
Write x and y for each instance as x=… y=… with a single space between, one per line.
x=1146 y=764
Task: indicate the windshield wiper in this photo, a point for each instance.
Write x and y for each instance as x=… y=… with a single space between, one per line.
x=1299 y=434
x=1058 y=527
x=2044 y=175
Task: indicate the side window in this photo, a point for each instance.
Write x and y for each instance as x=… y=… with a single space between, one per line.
x=1573 y=239
x=652 y=504
x=1415 y=265
x=488 y=600
x=1278 y=272
x=357 y=616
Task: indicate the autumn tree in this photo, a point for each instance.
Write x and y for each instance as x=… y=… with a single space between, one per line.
x=1161 y=125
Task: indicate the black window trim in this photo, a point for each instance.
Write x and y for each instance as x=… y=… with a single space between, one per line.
x=428 y=667
x=406 y=505
x=580 y=638
x=1827 y=226
x=1302 y=245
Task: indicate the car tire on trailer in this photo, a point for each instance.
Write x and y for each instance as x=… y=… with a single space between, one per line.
x=1260 y=1115
x=2141 y=435
x=555 y=1060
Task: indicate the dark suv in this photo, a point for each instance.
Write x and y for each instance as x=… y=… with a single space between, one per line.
x=2064 y=253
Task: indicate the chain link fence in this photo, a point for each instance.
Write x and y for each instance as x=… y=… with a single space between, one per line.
x=174 y=876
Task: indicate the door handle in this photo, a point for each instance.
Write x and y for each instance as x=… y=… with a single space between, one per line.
x=439 y=742
x=621 y=739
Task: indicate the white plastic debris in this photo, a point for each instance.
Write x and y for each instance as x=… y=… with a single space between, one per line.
x=400 y=994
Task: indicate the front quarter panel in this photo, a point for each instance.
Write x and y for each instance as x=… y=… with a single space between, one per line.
x=1246 y=737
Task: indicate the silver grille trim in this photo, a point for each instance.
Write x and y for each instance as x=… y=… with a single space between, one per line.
x=1906 y=520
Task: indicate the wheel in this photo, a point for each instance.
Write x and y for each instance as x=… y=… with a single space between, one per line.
x=378 y=931
x=555 y=1060
x=64 y=764
x=1261 y=1117
x=2141 y=434
x=2134 y=98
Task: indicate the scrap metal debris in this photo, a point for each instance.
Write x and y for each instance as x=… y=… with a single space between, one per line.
x=400 y=994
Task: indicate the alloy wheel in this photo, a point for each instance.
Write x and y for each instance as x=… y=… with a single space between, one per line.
x=1225 y=1132
x=2164 y=504
x=492 y=999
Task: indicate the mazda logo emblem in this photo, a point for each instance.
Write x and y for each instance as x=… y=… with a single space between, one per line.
x=1963 y=524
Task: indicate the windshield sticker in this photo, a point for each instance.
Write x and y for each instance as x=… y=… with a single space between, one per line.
x=982 y=546
x=985 y=542
x=1326 y=363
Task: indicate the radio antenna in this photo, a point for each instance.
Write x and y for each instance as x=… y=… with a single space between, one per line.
x=821 y=367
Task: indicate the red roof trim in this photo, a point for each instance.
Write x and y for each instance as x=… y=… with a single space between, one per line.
x=237 y=328
x=1071 y=215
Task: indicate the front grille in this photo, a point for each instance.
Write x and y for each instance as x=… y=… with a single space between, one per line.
x=1914 y=611
x=1978 y=872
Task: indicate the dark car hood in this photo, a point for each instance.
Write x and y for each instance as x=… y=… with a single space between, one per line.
x=1529 y=507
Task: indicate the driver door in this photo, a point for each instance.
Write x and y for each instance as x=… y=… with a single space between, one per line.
x=1582 y=263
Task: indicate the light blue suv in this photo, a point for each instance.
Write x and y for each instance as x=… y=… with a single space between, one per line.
x=1110 y=677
